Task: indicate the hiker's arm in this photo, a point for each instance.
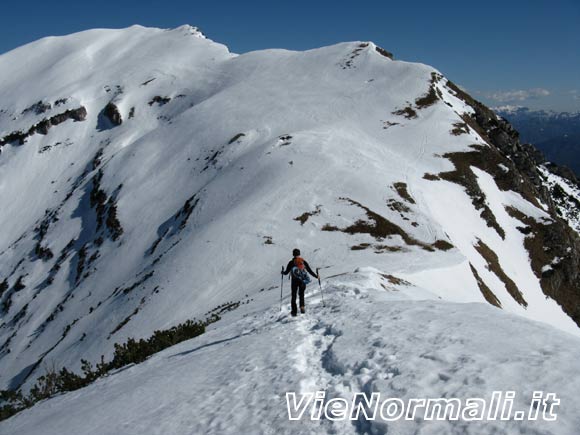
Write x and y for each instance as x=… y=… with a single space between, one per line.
x=309 y=270
x=288 y=268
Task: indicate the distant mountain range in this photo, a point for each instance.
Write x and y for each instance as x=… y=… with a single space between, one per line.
x=556 y=134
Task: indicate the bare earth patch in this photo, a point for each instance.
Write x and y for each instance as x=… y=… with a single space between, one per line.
x=493 y=265
x=303 y=218
x=401 y=189
x=485 y=290
x=380 y=228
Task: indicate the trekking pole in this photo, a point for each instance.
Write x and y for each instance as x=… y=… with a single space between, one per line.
x=320 y=286
x=281 y=287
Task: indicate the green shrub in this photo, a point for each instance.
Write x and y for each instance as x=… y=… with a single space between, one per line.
x=131 y=352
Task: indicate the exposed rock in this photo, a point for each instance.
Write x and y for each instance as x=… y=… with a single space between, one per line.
x=160 y=101
x=494 y=266
x=484 y=158
x=401 y=189
x=485 y=290
x=37 y=108
x=377 y=227
x=549 y=243
x=384 y=52
x=563 y=171
x=235 y=138
x=43 y=126
x=407 y=112
x=111 y=112
x=79 y=114
x=303 y=218
x=105 y=208
x=459 y=128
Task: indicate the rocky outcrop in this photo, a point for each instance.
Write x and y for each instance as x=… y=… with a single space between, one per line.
x=43 y=126
x=159 y=100
x=563 y=171
x=111 y=112
x=37 y=108
x=384 y=52
x=554 y=247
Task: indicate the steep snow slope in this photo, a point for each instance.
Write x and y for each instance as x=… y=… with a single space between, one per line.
x=400 y=342
x=149 y=175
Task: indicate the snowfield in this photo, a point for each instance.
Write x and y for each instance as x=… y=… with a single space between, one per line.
x=400 y=341
x=148 y=176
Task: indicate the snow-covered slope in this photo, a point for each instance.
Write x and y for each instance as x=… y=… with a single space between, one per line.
x=148 y=176
x=370 y=337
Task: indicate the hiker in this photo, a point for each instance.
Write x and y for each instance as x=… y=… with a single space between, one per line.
x=298 y=267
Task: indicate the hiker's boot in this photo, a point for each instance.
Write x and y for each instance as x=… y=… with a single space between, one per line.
x=293 y=313
x=302 y=310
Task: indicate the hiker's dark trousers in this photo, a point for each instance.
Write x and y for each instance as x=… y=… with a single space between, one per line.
x=297 y=287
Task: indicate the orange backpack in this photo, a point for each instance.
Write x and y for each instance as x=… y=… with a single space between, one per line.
x=299 y=271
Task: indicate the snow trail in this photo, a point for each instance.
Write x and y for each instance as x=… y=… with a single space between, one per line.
x=399 y=341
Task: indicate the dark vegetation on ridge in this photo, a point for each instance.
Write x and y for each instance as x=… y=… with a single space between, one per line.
x=56 y=381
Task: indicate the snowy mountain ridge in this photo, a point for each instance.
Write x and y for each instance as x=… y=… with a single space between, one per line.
x=148 y=176
x=370 y=335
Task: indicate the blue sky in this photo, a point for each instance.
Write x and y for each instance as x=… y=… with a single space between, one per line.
x=502 y=52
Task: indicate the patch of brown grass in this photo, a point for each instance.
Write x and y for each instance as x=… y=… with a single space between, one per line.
x=398 y=206
x=428 y=99
x=387 y=124
x=379 y=249
x=431 y=177
x=303 y=218
x=377 y=227
x=485 y=290
x=442 y=245
x=493 y=265
x=401 y=189
x=545 y=242
x=328 y=227
x=459 y=128
x=464 y=176
x=395 y=280
x=407 y=112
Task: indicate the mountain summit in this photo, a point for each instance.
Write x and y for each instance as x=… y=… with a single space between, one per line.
x=148 y=176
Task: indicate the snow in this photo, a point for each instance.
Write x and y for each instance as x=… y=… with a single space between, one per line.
x=512 y=257
x=464 y=227
x=233 y=379
x=337 y=105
